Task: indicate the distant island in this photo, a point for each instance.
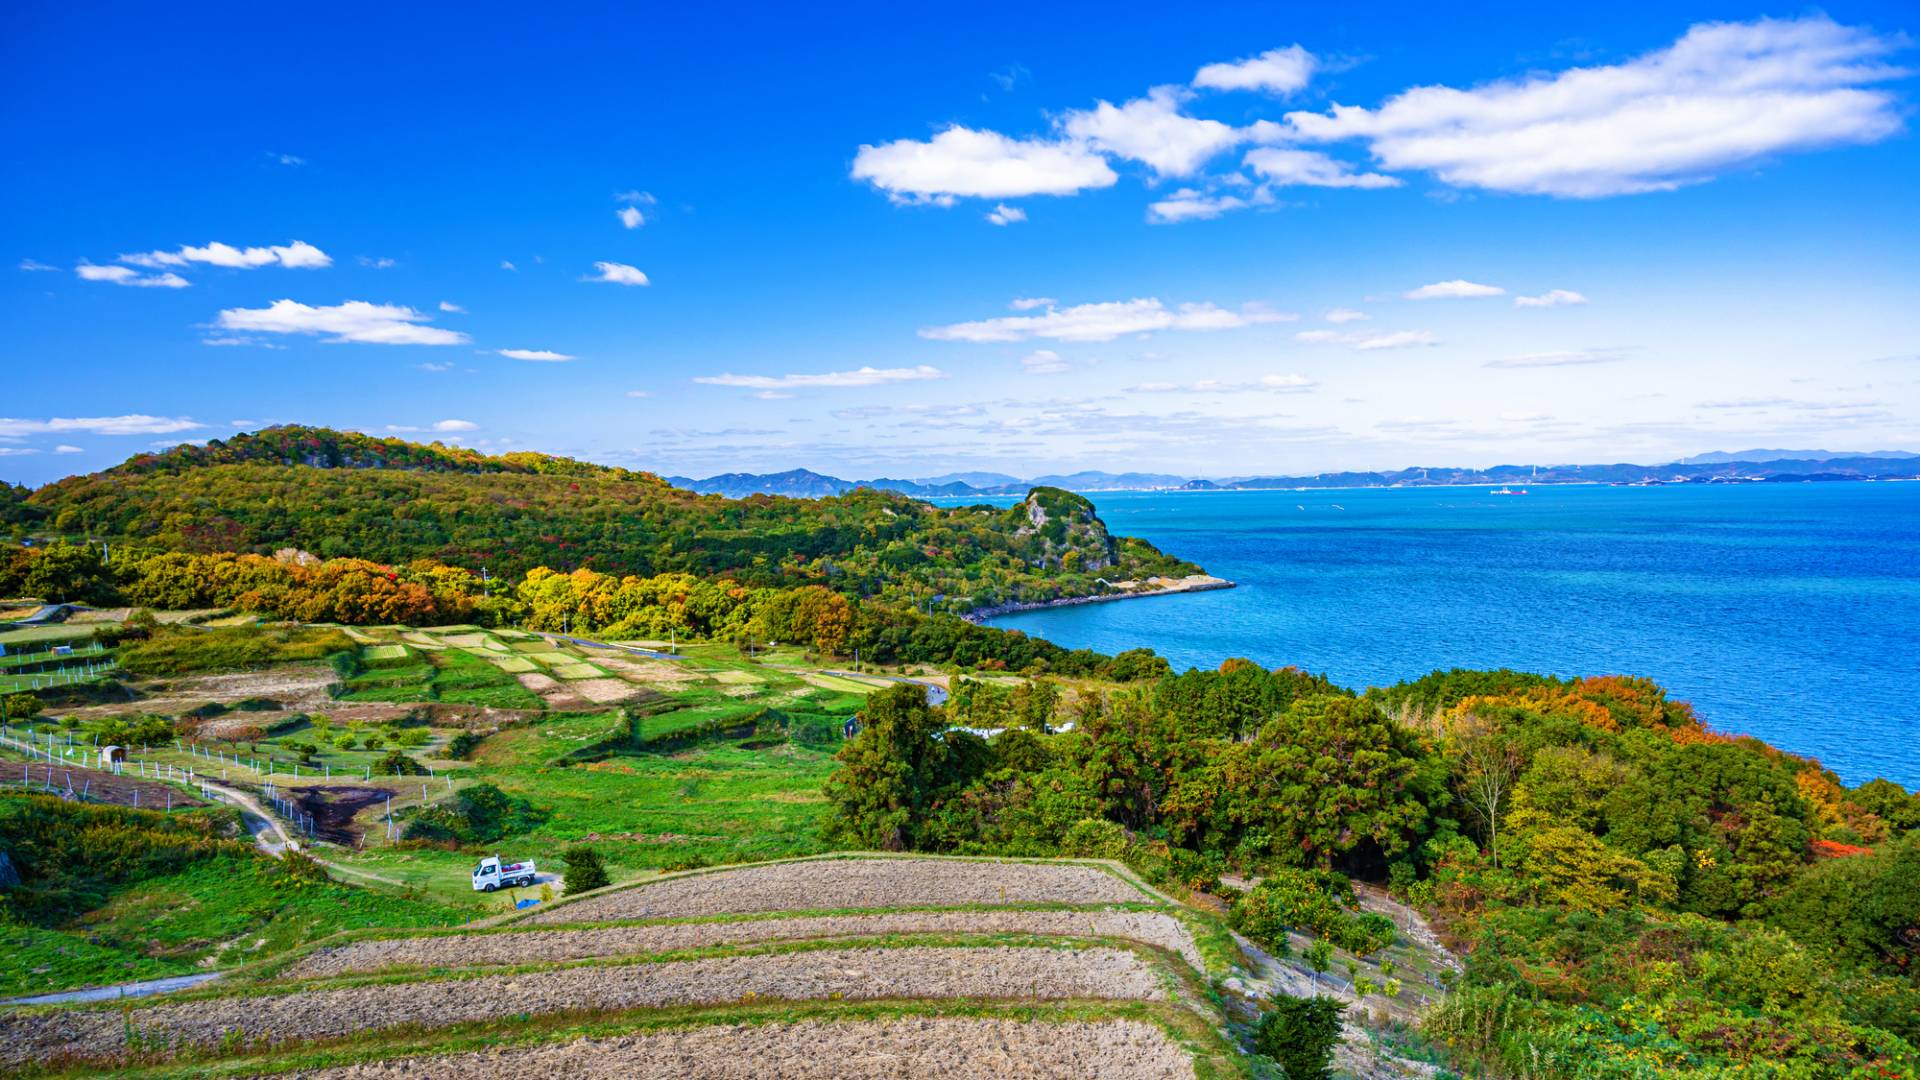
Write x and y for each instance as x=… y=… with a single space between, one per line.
x=1719 y=467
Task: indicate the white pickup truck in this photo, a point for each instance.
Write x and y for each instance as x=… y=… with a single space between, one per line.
x=493 y=874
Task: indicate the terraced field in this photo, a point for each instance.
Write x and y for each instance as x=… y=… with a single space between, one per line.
x=837 y=884
x=864 y=966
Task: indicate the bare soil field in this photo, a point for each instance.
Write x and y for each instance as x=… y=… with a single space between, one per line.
x=333 y=808
x=98 y=785
x=954 y=1048
x=833 y=974
x=555 y=693
x=669 y=672
x=296 y=687
x=555 y=946
x=606 y=691
x=833 y=884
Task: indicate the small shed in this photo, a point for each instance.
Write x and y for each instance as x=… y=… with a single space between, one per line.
x=112 y=755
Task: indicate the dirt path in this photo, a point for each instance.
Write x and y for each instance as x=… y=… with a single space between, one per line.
x=837 y=974
x=267 y=832
x=554 y=946
x=835 y=884
x=951 y=1048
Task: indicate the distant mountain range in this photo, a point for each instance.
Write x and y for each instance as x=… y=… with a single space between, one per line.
x=1749 y=466
x=1722 y=457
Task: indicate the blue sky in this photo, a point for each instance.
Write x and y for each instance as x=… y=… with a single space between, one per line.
x=882 y=242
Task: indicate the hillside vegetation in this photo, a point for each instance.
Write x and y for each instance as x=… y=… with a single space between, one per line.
x=1636 y=894
x=339 y=494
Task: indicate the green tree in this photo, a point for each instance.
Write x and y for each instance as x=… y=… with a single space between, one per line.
x=1300 y=1034
x=20 y=707
x=1330 y=774
x=69 y=573
x=585 y=870
x=890 y=772
x=1319 y=958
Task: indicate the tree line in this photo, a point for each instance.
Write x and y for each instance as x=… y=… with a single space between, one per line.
x=1636 y=894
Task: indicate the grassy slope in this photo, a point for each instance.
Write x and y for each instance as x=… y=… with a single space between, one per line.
x=216 y=913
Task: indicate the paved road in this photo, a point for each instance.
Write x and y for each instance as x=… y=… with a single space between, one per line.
x=650 y=654
x=124 y=990
x=936 y=694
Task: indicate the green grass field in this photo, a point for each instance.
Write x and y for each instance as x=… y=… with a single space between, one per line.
x=40 y=635
x=220 y=912
x=450 y=675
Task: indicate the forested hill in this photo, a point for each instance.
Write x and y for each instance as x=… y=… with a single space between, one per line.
x=342 y=494
x=324 y=448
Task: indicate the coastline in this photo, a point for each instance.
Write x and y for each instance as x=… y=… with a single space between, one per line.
x=1170 y=587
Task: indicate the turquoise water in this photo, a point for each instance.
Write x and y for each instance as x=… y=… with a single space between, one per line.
x=1786 y=611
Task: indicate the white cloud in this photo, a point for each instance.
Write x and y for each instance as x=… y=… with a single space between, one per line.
x=1566 y=358
x=1550 y=298
x=641 y=198
x=17 y=451
x=1310 y=168
x=297 y=255
x=1273 y=384
x=239 y=340
x=452 y=308
x=864 y=376
x=979 y=164
x=1028 y=303
x=614 y=273
x=505 y=265
x=1043 y=362
x=1192 y=204
x=1367 y=341
x=1453 y=290
x=35 y=265
x=1006 y=215
x=121 y=275
x=639 y=393
x=1346 y=315
x=630 y=216
x=1153 y=130
x=353 y=321
x=64 y=448
x=130 y=424
x=1724 y=95
x=433 y=367
x=286 y=159
x=380 y=263
x=1105 y=321
x=455 y=425
x=545 y=355
x=1276 y=71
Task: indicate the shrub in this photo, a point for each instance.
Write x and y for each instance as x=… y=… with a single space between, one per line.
x=1192 y=870
x=20 y=706
x=1366 y=933
x=585 y=870
x=1299 y=1034
x=463 y=744
x=1095 y=838
x=396 y=763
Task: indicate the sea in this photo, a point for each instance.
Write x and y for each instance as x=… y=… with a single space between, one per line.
x=1786 y=611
